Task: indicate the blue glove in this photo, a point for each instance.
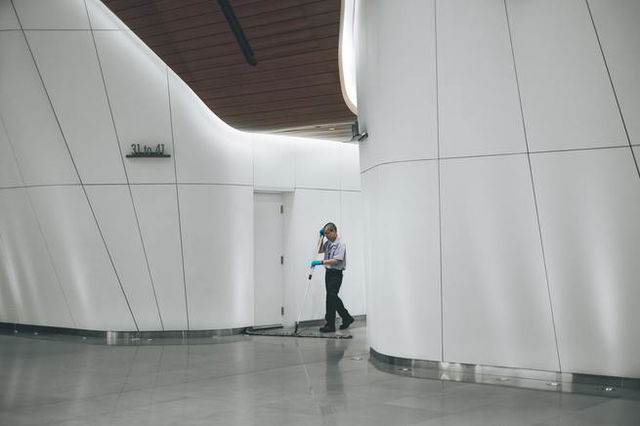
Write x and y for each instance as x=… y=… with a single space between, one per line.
x=316 y=263
x=322 y=232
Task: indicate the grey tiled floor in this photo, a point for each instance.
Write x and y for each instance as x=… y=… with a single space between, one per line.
x=260 y=381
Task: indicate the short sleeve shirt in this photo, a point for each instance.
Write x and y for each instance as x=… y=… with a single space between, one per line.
x=336 y=250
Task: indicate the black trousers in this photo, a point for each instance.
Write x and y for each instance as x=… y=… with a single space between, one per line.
x=333 y=281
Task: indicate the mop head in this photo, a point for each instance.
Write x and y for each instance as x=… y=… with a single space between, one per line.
x=302 y=332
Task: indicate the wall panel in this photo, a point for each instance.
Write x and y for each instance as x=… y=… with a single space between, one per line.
x=69 y=67
x=495 y=300
x=349 y=167
x=79 y=255
x=479 y=109
x=8 y=20
x=33 y=290
x=206 y=149
x=401 y=103
x=52 y=15
x=9 y=172
x=566 y=95
x=157 y=208
x=617 y=25
x=318 y=165
x=137 y=84
x=371 y=239
x=40 y=150
x=408 y=254
x=351 y=231
x=114 y=211
x=217 y=230
x=274 y=162
x=101 y=18
x=10 y=300
x=589 y=209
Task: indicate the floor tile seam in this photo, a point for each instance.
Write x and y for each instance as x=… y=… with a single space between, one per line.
x=90 y=417
x=136 y=389
x=188 y=382
x=138 y=407
x=487 y=406
x=447 y=412
x=373 y=415
x=74 y=400
x=554 y=405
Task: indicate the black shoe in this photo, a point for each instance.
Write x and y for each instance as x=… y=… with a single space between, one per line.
x=346 y=323
x=326 y=329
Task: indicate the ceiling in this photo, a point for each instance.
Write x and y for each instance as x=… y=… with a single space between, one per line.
x=295 y=86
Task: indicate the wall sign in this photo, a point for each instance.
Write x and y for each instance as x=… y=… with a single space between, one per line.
x=147 y=151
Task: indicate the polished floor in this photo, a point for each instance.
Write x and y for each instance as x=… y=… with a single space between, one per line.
x=260 y=381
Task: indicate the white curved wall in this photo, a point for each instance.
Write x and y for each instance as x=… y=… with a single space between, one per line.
x=94 y=240
x=500 y=188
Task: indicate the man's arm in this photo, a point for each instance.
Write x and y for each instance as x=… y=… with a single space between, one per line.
x=321 y=242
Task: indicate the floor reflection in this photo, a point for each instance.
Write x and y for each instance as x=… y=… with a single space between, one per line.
x=334 y=350
x=258 y=381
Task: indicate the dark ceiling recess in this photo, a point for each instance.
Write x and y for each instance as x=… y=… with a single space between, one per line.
x=295 y=86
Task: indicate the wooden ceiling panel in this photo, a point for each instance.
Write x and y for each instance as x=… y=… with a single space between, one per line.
x=295 y=84
x=266 y=97
x=266 y=65
x=280 y=105
x=264 y=77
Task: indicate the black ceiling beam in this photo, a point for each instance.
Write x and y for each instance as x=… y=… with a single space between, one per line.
x=230 y=15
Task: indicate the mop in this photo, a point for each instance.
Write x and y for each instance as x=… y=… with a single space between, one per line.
x=295 y=331
x=281 y=332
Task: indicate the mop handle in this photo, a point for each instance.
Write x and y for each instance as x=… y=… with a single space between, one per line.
x=303 y=302
x=317 y=250
x=306 y=293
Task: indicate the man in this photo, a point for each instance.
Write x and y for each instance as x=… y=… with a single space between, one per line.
x=335 y=261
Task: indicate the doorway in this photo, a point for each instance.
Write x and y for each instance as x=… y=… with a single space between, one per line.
x=268 y=259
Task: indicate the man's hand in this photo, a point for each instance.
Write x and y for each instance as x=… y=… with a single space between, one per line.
x=316 y=263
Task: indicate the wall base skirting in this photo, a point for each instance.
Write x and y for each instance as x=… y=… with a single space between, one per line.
x=169 y=337
x=116 y=337
x=610 y=386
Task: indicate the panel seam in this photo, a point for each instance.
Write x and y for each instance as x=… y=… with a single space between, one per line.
x=435 y=32
x=35 y=216
x=175 y=171
x=124 y=168
x=613 y=87
x=505 y=154
x=533 y=188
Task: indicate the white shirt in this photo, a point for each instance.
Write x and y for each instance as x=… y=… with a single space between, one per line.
x=335 y=250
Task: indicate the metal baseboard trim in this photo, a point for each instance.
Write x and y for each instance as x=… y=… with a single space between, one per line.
x=128 y=337
x=111 y=337
x=609 y=386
